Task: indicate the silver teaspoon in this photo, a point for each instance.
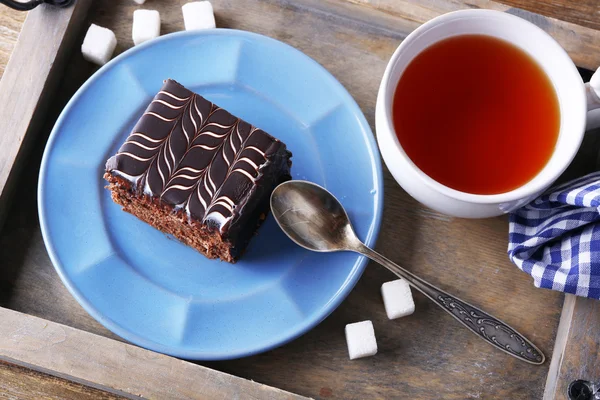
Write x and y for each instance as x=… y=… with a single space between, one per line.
x=314 y=219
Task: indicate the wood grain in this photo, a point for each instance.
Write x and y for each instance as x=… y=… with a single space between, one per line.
x=582 y=43
x=578 y=347
x=10 y=26
x=580 y=12
x=26 y=384
x=419 y=355
x=28 y=82
x=116 y=367
x=560 y=344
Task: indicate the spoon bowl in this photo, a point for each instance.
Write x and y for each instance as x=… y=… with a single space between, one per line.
x=311 y=216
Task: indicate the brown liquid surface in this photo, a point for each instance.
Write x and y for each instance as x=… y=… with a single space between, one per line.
x=476 y=114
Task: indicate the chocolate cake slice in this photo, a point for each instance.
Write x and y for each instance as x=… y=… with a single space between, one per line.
x=191 y=169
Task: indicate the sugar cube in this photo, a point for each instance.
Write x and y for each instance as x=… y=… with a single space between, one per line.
x=198 y=15
x=98 y=45
x=146 y=25
x=397 y=299
x=360 y=338
x=140 y=1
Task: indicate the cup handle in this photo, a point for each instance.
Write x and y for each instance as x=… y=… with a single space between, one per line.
x=592 y=91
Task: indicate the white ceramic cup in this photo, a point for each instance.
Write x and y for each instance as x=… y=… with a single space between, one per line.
x=575 y=100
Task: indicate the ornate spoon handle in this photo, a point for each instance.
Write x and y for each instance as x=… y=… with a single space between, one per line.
x=487 y=327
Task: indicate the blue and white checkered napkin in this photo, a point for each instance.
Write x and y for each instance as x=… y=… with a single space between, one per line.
x=556 y=238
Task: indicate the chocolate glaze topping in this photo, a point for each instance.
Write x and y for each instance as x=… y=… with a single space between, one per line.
x=197 y=157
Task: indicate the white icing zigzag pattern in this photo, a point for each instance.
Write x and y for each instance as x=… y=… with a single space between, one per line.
x=193 y=155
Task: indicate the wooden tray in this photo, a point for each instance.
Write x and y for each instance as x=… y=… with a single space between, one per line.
x=427 y=355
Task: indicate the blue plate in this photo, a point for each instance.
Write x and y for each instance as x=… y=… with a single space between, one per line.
x=152 y=290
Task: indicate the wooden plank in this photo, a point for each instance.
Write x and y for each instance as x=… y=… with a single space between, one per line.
x=116 y=367
x=577 y=351
x=580 y=12
x=581 y=357
x=27 y=84
x=419 y=355
x=11 y=22
x=582 y=43
x=562 y=335
x=23 y=383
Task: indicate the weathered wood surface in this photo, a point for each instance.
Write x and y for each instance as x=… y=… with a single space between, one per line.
x=33 y=71
x=577 y=351
x=422 y=356
x=26 y=384
x=581 y=12
x=10 y=26
x=582 y=43
x=581 y=356
x=116 y=367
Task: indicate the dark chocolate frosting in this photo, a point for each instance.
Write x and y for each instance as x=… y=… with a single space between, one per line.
x=197 y=157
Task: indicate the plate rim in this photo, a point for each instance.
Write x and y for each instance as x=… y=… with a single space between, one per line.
x=311 y=321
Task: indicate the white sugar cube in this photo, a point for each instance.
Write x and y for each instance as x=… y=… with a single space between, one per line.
x=360 y=337
x=397 y=299
x=140 y=1
x=98 y=45
x=146 y=25
x=198 y=15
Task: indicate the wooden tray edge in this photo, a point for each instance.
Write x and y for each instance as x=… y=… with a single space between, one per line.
x=116 y=367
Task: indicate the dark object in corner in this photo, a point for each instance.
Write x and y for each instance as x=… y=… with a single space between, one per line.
x=30 y=5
